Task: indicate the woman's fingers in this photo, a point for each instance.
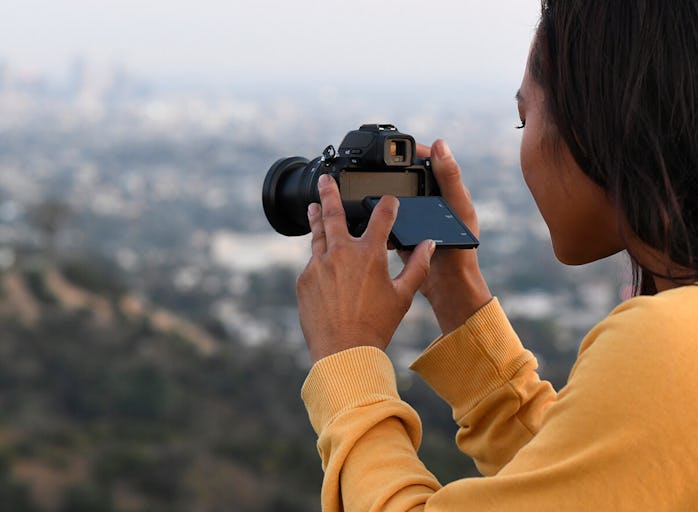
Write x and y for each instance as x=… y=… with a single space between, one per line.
x=448 y=175
x=318 y=243
x=423 y=151
x=381 y=221
x=416 y=269
x=334 y=219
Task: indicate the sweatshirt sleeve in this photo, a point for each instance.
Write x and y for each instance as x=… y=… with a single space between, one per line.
x=481 y=369
x=617 y=437
x=490 y=381
x=368 y=437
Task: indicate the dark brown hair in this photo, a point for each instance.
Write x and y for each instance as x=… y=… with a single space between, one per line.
x=620 y=79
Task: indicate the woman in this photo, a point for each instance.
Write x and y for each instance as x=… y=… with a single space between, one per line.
x=609 y=112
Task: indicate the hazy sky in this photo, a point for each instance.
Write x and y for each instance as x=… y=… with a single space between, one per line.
x=452 y=40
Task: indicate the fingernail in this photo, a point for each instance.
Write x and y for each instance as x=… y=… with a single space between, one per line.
x=431 y=248
x=442 y=150
x=313 y=209
x=324 y=180
x=395 y=206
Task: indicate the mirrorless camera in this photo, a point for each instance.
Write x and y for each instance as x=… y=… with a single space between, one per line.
x=373 y=161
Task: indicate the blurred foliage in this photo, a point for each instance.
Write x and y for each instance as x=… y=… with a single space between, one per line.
x=124 y=417
x=272 y=288
x=48 y=217
x=156 y=424
x=14 y=495
x=98 y=276
x=34 y=280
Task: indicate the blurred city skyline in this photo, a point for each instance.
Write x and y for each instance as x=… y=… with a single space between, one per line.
x=275 y=42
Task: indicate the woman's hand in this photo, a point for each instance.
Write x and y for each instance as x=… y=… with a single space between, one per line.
x=455 y=287
x=346 y=297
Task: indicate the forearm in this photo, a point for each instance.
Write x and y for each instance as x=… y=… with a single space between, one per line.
x=454 y=305
x=490 y=380
x=368 y=437
x=455 y=288
x=382 y=472
x=596 y=449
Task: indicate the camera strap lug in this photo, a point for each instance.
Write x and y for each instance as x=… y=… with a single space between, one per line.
x=328 y=155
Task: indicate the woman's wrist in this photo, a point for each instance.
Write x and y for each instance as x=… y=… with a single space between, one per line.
x=459 y=300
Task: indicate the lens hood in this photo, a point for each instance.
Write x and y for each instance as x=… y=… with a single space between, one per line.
x=277 y=194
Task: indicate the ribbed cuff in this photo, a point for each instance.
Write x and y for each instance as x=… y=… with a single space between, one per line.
x=345 y=380
x=468 y=363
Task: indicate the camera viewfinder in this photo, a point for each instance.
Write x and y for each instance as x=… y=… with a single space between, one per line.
x=398 y=152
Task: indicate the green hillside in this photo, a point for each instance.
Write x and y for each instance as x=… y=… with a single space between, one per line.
x=104 y=407
x=111 y=404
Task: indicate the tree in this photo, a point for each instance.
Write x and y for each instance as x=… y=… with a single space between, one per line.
x=48 y=217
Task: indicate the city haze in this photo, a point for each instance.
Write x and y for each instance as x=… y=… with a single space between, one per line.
x=231 y=41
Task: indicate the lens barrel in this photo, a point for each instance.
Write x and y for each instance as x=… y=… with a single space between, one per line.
x=286 y=194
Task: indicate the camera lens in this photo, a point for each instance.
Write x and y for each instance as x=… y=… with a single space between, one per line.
x=287 y=192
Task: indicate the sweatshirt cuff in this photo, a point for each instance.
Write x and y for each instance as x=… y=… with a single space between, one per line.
x=467 y=364
x=352 y=378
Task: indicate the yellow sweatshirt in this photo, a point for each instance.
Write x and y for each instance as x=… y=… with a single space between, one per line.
x=621 y=435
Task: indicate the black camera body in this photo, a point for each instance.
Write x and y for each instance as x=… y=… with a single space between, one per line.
x=373 y=161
